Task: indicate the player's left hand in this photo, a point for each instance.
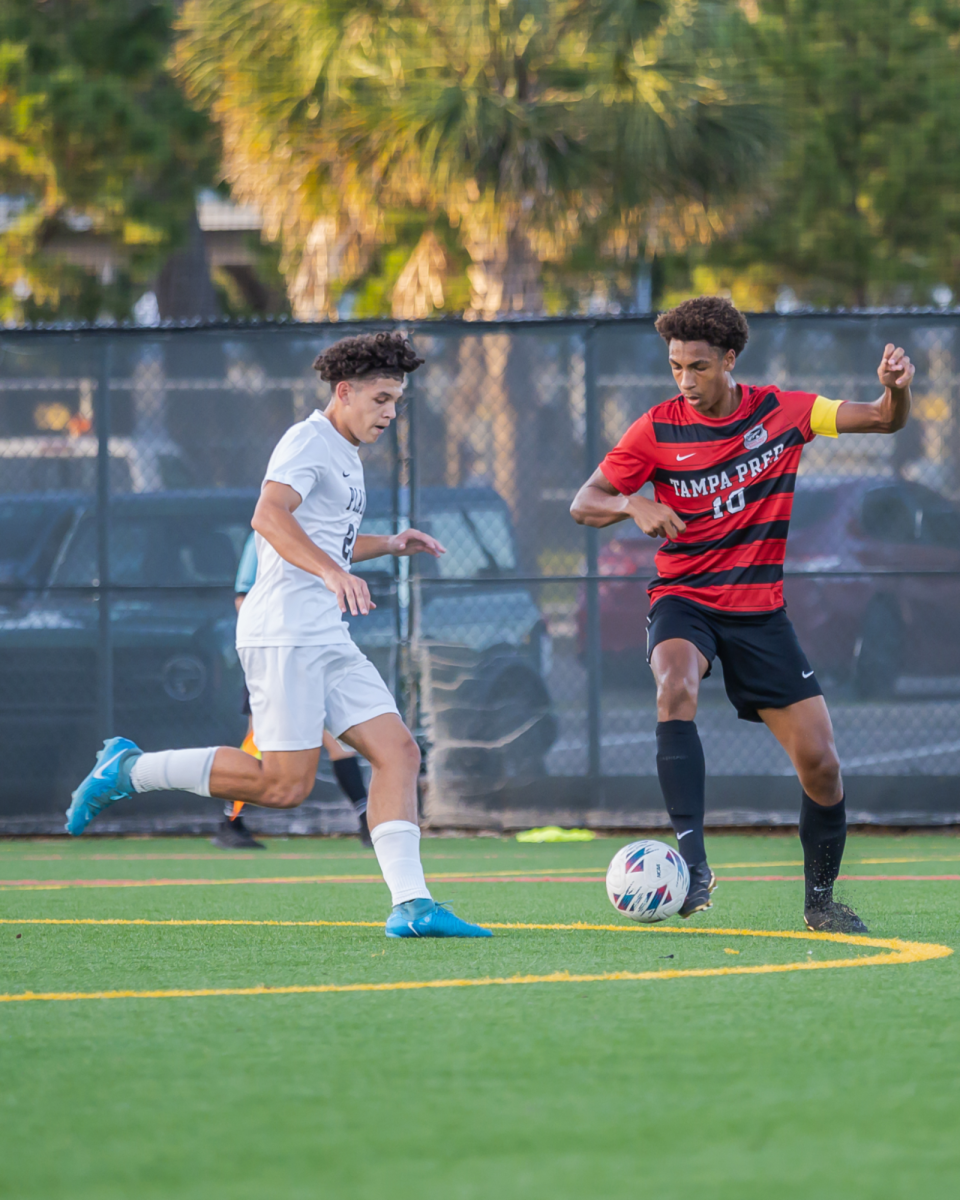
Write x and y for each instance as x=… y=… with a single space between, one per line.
x=412 y=541
x=895 y=370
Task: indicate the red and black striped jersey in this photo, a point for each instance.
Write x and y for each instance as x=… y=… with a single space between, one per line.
x=731 y=479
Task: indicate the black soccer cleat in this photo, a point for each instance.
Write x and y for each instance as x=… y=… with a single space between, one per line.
x=702 y=883
x=365 y=839
x=833 y=917
x=234 y=835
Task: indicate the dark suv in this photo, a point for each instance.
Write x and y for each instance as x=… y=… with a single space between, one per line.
x=484 y=650
x=177 y=679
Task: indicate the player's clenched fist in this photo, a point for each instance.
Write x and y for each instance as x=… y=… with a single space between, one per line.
x=351 y=592
x=655 y=519
x=895 y=370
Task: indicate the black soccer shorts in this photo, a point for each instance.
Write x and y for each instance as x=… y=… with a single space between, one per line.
x=763 y=664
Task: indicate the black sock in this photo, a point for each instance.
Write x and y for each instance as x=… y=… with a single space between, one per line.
x=823 y=834
x=350 y=778
x=683 y=782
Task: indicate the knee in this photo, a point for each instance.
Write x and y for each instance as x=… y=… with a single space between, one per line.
x=409 y=754
x=820 y=774
x=400 y=753
x=676 y=697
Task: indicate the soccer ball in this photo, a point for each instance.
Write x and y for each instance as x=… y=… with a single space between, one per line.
x=647 y=881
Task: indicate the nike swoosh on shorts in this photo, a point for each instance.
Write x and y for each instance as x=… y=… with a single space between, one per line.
x=806 y=674
x=683 y=457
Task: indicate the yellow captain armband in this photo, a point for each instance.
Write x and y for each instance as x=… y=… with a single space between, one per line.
x=823 y=416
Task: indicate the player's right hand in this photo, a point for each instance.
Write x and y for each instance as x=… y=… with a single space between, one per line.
x=351 y=592
x=654 y=519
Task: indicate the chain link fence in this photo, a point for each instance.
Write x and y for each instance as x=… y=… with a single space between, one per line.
x=129 y=467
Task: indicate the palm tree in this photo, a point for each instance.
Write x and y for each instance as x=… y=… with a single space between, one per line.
x=255 y=65
x=523 y=121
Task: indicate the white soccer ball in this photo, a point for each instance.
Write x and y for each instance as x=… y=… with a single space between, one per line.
x=647 y=881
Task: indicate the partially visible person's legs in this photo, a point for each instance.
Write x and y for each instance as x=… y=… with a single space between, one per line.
x=389 y=747
x=233 y=833
x=678 y=666
x=768 y=678
x=282 y=780
x=293 y=690
x=346 y=768
x=681 y=648
x=805 y=731
x=286 y=698
x=362 y=713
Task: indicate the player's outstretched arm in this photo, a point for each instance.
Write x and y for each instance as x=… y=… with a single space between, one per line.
x=273 y=519
x=598 y=503
x=400 y=545
x=890 y=412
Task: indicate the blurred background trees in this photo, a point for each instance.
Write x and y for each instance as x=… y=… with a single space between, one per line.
x=505 y=132
x=100 y=158
x=489 y=157
x=864 y=204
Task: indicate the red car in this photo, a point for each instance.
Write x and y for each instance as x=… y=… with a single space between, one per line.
x=872 y=584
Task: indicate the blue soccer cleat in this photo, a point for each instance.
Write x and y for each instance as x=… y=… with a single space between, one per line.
x=108 y=782
x=427 y=918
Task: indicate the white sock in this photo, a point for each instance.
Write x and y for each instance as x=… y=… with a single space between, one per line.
x=397 y=847
x=174 y=770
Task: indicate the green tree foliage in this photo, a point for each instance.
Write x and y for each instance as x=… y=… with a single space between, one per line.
x=534 y=153
x=526 y=125
x=863 y=206
x=95 y=137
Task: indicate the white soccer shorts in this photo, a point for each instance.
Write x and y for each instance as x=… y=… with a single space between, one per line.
x=297 y=690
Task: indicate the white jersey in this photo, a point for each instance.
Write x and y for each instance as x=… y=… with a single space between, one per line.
x=288 y=606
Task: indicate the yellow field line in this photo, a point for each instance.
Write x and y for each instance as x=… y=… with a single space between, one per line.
x=899 y=953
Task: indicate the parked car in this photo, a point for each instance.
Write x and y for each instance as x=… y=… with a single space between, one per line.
x=177 y=679
x=872 y=584
x=46 y=463
x=485 y=711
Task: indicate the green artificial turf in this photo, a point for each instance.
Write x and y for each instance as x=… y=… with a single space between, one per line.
x=833 y=1083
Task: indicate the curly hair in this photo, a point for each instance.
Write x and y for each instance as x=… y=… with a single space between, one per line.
x=709 y=319
x=367 y=356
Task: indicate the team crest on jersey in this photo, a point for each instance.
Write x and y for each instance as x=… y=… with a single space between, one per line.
x=755 y=437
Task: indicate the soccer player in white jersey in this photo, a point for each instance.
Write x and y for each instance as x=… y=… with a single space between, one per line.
x=301 y=667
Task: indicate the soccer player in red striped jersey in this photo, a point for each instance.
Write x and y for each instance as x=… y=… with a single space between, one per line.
x=723 y=459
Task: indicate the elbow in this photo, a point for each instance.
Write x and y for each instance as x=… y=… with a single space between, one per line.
x=894 y=413
x=582 y=513
x=260 y=521
x=896 y=424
